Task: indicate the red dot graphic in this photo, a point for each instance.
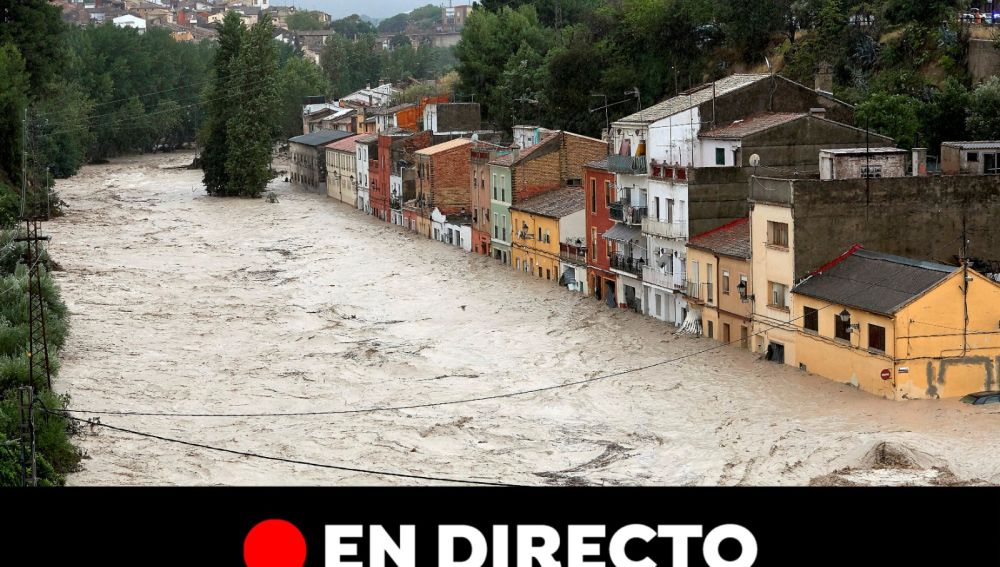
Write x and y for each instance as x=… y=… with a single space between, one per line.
x=274 y=543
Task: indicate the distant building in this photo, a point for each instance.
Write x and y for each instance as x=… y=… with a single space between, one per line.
x=599 y=186
x=308 y=153
x=859 y=163
x=342 y=170
x=367 y=149
x=452 y=118
x=975 y=158
x=130 y=21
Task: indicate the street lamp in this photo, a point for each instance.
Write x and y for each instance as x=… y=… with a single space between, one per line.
x=845 y=317
x=741 y=288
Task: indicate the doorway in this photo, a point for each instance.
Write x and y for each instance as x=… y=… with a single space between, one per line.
x=775 y=353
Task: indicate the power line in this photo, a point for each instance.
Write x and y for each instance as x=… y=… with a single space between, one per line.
x=441 y=403
x=236 y=92
x=96 y=423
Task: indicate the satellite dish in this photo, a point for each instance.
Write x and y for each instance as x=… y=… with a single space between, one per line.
x=754 y=160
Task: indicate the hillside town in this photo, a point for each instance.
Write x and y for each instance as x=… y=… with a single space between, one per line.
x=751 y=210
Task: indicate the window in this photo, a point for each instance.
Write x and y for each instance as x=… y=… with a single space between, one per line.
x=810 y=319
x=503 y=181
x=744 y=337
x=656 y=208
x=871 y=171
x=709 y=293
x=670 y=211
x=725 y=333
x=711 y=330
x=593 y=243
x=841 y=329
x=539 y=234
x=607 y=193
x=494 y=187
x=548 y=237
x=777 y=295
x=593 y=196
x=973 y=156
x=725 y=282
x=720 y=156
x=548 y=274
x=876 y=338
x=539 y=271
x=777 y=234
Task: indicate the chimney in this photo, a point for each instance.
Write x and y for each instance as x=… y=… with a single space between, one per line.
x=919 y=162
x=824 y=77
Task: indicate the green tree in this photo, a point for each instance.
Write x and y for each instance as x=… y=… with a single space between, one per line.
x=13 y=101
x=896 y=116
x=352 y=26
x=983 y=119
x=298 y=79
x=252 y=128
x=304 y=21
x=36 y=28
x=220 y=110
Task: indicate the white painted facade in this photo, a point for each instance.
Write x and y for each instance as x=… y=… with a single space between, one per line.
x=396 y=192
x=671 y=143
x=364 y=204
x=437 y=225
x=458 y=235
x=714 y=151
x=130 y=21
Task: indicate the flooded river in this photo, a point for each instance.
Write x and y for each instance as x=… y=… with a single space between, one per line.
x=183 y=303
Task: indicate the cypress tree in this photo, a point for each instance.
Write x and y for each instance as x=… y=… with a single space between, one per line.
x=221 y=106
x=252 y=128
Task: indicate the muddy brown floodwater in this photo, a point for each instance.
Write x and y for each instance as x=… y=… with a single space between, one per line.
x=185 y=303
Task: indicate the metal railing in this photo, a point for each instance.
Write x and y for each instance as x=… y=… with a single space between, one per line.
x=628 y=264
x=657 y=276
x=657 y=227
x=628 y=165
x=575 y=257
x=622 y=211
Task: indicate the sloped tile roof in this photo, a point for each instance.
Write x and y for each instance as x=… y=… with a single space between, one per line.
x=555 y=204
x=320 y=137
x=752 y=125
x=517 y=157
x=874 y=281
x=344 y=145
x=445 y=146
x=704 y=94
x=732 y=239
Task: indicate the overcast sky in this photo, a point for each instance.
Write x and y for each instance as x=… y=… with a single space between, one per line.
x=373 y=8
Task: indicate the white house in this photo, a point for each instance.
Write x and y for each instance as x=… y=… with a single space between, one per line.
x=654 y=150
x=130 y=21
x=396 y=198
x=366 y=146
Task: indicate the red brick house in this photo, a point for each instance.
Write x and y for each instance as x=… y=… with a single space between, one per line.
x=392 y=140
x=599 y=185
x=443 y=176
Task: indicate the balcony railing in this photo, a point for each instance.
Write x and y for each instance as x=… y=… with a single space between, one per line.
x=657 y=227
x=628 y=264
x=668 y=280
x=578 y=256
x=624 y=212
x=616 y=211
x=627 y=164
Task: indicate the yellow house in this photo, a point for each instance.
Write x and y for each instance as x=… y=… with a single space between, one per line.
x=718 y=268
x=899 y=328
x=540 y=224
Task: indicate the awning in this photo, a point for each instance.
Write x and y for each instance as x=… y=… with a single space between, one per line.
x=624 y=233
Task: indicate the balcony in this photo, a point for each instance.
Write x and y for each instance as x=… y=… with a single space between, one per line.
x=627 y=165
x=623 y=211
x=693 y=291
x=656 y=227
x=666 y=280
x=628 y=264
x=573 y=254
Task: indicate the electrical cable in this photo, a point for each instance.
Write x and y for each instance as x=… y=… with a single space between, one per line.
x=431 y=404
x=344 y=468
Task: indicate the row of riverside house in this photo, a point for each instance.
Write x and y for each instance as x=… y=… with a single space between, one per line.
x=749 y=210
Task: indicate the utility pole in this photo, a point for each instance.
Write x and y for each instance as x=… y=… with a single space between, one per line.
x=26 y=414
x=32 y=214
x=965 y=285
